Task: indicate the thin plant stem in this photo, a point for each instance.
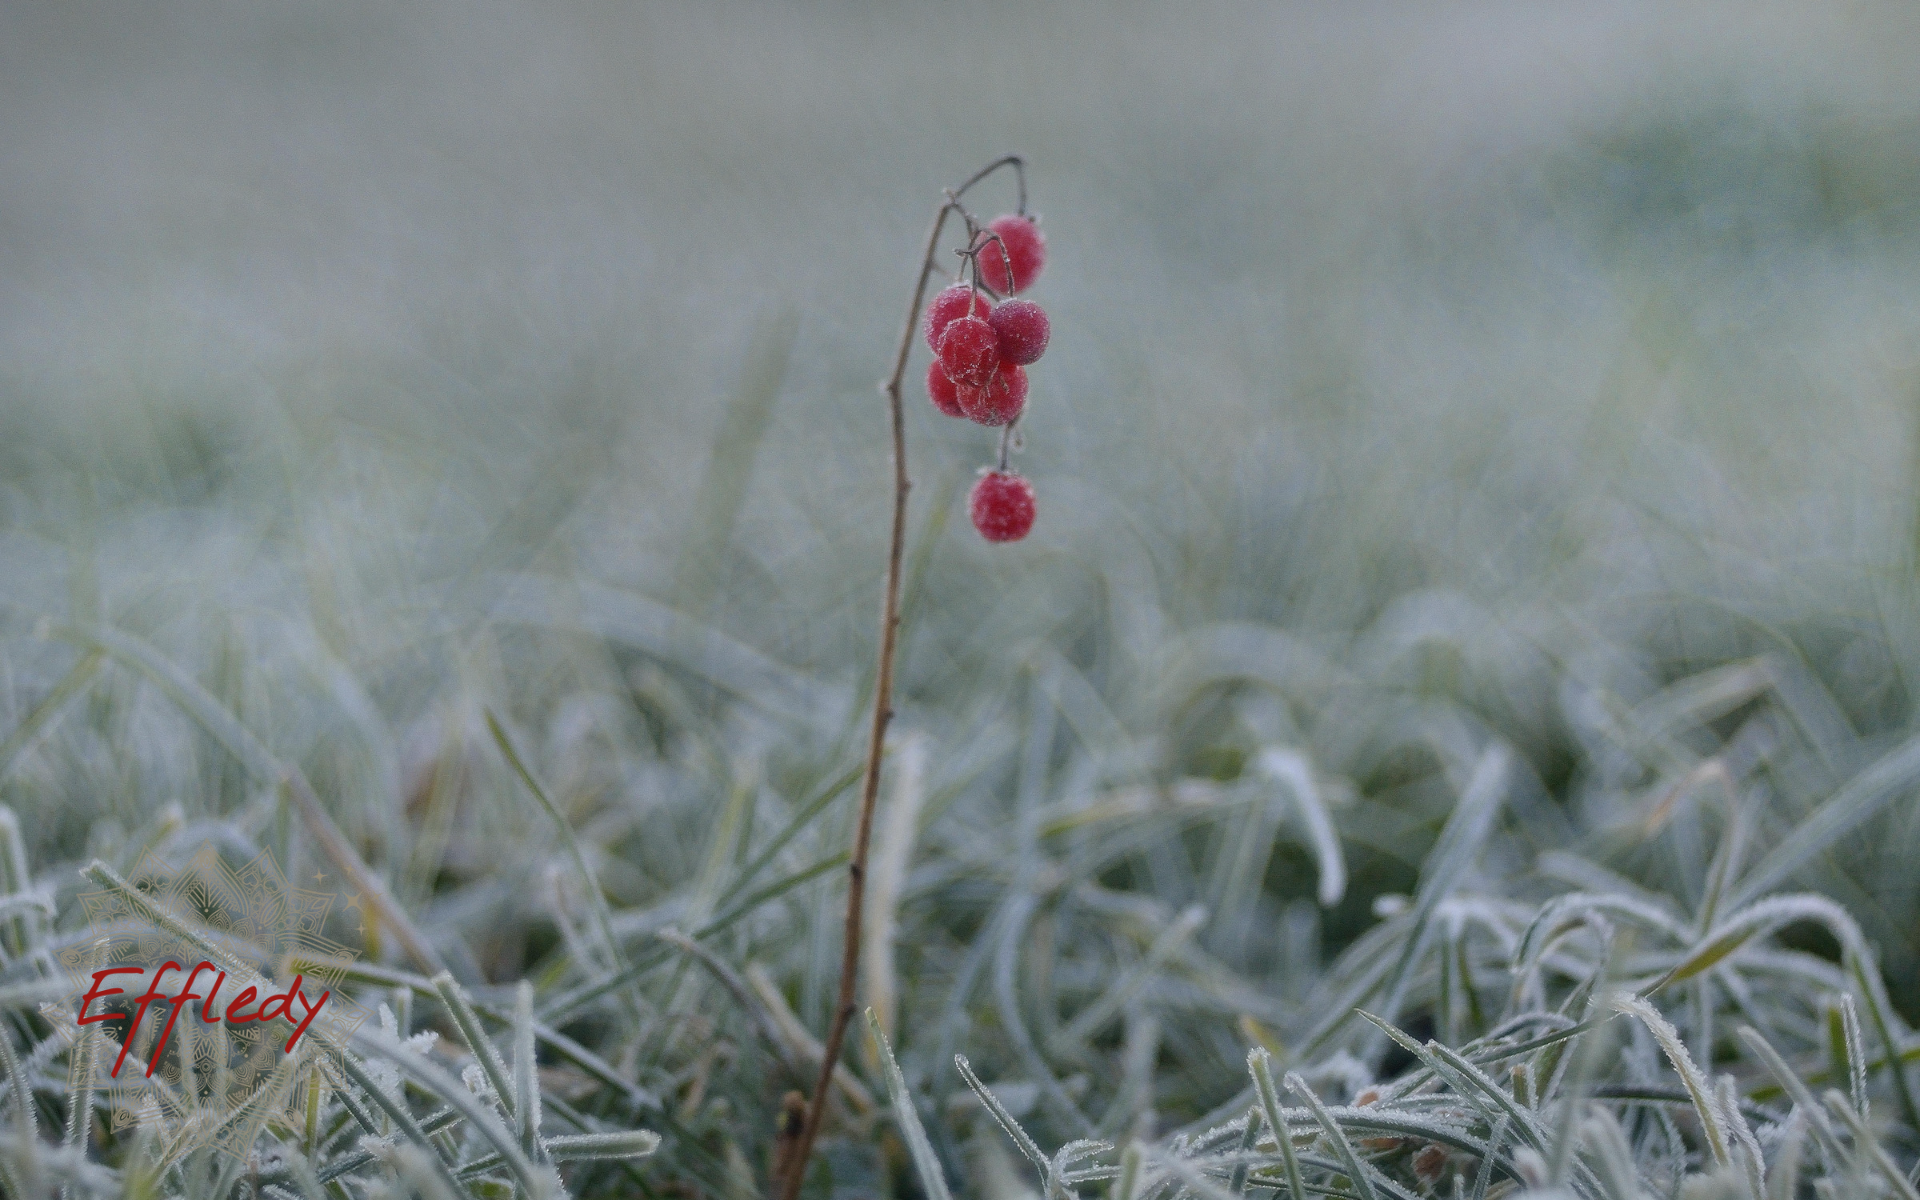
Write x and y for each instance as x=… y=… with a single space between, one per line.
x=976 y=247
x=787 y=1187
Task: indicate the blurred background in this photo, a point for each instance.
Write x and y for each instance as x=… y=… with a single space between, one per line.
x=1421 y=374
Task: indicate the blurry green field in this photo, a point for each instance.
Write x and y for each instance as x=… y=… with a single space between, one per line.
x=1440 y=398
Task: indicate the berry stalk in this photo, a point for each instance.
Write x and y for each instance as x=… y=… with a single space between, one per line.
x=787 y=1185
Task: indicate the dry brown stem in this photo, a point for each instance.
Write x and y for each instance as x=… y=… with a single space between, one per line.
x=791 y=1168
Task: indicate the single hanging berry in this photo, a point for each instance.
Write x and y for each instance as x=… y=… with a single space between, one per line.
x=941 y=391
x=1002 y=506
x=1021 y=326
x=948 y=305
x=1025 y=251
x=998 y=403
x=969 y=351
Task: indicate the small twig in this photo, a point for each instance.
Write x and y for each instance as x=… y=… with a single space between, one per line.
x=786 y=1184
x=976 y=246
x=1019 y=166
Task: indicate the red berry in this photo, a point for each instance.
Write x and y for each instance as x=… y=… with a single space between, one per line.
x=1021 y=326
x=1002 y=506
x=1026 y=252
x=946 y=305
x=969 y=351
x=940 y=391
x=1000 y=402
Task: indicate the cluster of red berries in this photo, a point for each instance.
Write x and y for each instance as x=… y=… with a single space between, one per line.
x=981 y=354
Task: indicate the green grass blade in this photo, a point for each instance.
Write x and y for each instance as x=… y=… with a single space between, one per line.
x=1460 y=840
x=1007 y=1124
x=1356 y=1170
x=589 y=881
x=1259 y=1066
x=526 y=1079
x=454 y=999
x=933 y=1181
x=1712 y=1126
x=41 y=715
x=1862 y=798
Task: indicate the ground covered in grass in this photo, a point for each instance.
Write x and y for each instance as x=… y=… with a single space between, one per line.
x=1452 y=730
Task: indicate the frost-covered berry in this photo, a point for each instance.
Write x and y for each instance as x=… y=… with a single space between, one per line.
x=940 y=391
x=1026 y=253
x=947 y=305
x=1002 y=506
x=1021 y=326
x=998 y=403
x=969 y=351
